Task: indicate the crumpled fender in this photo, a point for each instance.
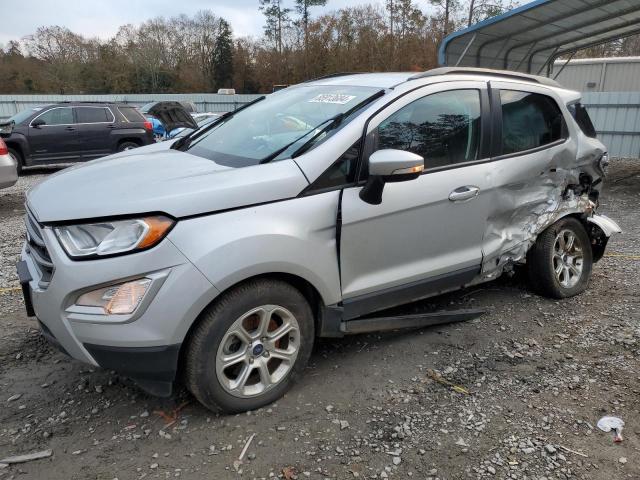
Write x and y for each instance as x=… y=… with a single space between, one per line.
x=607 y=225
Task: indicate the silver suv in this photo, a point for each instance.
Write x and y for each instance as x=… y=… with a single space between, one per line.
x=219 y=258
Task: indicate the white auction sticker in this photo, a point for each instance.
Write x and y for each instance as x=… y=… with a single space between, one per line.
x=336 y=98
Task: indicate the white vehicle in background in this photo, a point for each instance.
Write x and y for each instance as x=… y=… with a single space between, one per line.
x=8 y=167
x=202 y=119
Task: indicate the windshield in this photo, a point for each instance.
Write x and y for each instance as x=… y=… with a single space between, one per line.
x=280 y=120
x=20 y=117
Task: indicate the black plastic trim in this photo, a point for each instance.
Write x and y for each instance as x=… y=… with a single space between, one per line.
x=410 y=292
x=153 y=368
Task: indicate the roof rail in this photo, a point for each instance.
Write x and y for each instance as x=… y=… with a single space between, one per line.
x=486 y=71
x=332 y=75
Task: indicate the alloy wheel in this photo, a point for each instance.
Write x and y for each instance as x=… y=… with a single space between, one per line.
x=258 y=351
x=567 y=258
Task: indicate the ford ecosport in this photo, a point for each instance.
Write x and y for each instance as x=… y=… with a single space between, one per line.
x=218 y=258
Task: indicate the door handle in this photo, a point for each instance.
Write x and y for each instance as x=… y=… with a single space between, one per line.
x=70 y=129
x=465 y=193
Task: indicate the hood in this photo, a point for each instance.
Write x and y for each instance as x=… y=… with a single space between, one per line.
x=172 y=115
x=168 y=181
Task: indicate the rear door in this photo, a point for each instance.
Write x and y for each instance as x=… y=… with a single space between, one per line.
x=426 y=235
x=534 y=156
x=95 y=125
x=57 y=138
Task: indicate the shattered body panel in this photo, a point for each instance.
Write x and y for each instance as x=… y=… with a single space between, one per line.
x=533 y=191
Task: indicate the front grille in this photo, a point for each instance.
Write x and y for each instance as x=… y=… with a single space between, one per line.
x=37 y=249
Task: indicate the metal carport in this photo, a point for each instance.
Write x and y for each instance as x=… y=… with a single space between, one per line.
x=529 y=38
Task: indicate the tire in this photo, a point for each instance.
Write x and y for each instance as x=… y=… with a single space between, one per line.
x=557 y=269
x=17 y=156
x=127 y=146
x=218 y=335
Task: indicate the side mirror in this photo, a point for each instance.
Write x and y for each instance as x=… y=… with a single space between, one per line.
x=38 y=122
x=389 y=166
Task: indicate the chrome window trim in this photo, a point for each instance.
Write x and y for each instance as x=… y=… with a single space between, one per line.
x=113 y=117
x=57 y=124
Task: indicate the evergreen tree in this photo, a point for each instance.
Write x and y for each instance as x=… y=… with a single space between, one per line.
x=277 y=18
x=223 y=56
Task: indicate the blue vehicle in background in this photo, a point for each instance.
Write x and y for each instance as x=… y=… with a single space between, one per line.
x=165 y=117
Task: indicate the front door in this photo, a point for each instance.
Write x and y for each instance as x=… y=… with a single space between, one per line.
x=53 y=135
x=426 y=235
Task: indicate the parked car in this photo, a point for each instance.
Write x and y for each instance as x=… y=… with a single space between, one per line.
x=73 y=132
x=163 y=116
x=222 y=255
x=202 y=120
x=8 y=167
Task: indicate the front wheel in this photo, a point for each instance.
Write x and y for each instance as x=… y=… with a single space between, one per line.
x=560 y=262
x=249 y=346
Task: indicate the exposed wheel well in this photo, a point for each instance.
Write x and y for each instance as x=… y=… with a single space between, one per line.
x=307 y=289
x=17 y=147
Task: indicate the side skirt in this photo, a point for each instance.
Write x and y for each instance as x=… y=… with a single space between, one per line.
x=372 y=302
x=378 y=324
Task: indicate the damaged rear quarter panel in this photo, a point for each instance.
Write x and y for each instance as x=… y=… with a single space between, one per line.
x=530 y=192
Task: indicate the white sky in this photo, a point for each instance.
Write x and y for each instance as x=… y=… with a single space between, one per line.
x=102 y=18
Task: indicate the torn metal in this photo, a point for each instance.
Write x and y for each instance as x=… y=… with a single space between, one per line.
x=528 y=200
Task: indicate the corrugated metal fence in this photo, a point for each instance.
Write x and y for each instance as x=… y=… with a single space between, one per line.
x=205 y=102
x=616 y=115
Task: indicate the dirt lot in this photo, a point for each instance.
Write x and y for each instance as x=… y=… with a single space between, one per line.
x=540 y=374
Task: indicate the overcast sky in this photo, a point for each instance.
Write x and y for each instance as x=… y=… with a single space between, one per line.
x=103 y=17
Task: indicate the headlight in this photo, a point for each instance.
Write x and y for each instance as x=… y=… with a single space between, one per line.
x=108 y=238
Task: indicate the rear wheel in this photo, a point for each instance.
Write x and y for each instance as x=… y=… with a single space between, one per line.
x=560 y=262
x=127 y=146
x=17 y=157
x=250 y=346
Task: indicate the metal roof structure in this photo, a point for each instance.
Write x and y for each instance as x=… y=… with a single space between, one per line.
x=529 y=38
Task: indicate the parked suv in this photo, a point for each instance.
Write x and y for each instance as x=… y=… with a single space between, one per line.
x=74 y=132
x=219 y=257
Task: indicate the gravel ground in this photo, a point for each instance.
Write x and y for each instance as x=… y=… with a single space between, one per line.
x=532 y=377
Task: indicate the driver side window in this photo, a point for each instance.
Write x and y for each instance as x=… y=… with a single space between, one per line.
x=443 y=128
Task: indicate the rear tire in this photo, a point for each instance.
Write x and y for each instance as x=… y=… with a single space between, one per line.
x=127 y=146
x=15 y=154
x=250 y=346
x=559 y=263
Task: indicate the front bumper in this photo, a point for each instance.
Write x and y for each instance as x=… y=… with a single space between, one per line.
x=144 y=345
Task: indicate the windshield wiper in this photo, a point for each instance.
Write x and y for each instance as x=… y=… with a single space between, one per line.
x=184 y=142
x=334 y=122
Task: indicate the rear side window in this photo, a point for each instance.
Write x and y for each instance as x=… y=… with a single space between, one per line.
x=581 y=116
x=131 y=114
x=443 y=128
x=57 y=116
x=529 y=120
x=93 y=115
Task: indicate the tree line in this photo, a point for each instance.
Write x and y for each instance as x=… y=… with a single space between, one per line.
x=199 y=53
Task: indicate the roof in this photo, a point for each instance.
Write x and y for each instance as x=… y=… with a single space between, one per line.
x=378 y=80
x=599 y=61
x=529 y=38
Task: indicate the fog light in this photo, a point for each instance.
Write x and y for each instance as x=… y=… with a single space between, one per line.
x=121 y=299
